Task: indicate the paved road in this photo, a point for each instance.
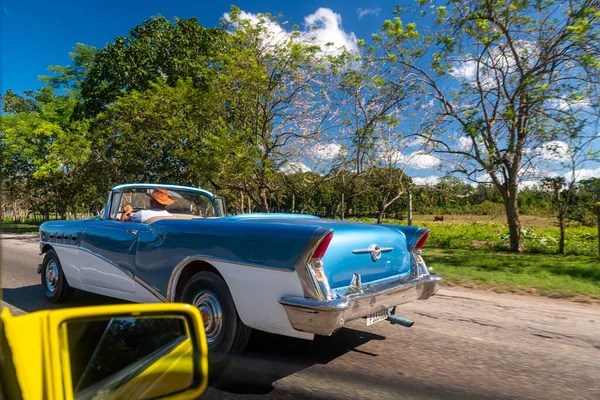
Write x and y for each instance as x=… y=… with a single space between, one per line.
x=464 y=345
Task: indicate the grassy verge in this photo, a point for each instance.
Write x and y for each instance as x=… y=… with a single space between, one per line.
x=574 y=277
x=483 y=234
x=32 y=227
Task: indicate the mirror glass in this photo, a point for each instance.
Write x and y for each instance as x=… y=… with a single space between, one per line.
x=130 y=357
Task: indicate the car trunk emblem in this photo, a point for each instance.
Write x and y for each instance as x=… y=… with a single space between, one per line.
x=374 y=250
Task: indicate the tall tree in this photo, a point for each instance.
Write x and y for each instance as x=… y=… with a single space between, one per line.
x=274 y=102
x=155 y=49
x=374 y=96
x=518 y=62
x=162 y=134
x=45 y=150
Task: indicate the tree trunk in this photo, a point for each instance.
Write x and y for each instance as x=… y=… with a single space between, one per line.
x=561 y=224
x=511 y=206
x=265 y=200
x=561 y=219
x=598 y=214
x=561 y=240
x=241 y=202
x=294 y=202
x=342 y=206
x=381 y=213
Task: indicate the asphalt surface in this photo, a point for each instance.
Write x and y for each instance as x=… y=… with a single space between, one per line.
x=464 y=345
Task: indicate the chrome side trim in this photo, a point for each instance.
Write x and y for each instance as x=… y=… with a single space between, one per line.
x=114 y=264
x=59 y=244
x=151 y=289
x=174 y=278
x=309 y=284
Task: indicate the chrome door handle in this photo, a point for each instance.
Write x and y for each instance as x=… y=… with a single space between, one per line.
x=132 y=231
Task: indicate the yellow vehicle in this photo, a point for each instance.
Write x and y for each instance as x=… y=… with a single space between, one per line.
x=129 y=351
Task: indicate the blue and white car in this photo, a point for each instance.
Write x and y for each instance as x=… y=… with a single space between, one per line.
x=287 y=274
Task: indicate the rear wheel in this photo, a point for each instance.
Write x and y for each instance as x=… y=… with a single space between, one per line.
x=54 y=283
x=225 y=333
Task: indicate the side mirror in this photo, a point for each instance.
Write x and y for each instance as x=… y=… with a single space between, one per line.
x=131 y=351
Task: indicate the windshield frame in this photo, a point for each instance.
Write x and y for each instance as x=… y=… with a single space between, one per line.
x=115 y=195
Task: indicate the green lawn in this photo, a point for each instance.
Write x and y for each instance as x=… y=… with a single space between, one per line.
x=31 y=227
x=575 y=277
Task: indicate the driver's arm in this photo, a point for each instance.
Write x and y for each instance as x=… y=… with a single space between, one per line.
x=127 y=210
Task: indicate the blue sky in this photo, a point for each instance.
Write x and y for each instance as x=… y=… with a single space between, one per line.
x=36 y=34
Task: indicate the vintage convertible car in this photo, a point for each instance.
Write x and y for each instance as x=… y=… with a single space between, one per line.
x=287 y=274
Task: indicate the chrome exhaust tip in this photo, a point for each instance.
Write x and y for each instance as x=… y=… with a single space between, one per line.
x=396 y=320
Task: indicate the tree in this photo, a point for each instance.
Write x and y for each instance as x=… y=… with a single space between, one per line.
x=46 y=152
x=274 y=104
x=161 y=134
x=155 y=49
x=374 y=96
x=518 y=62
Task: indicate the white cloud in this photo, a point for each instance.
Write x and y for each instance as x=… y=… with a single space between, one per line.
x=483 y=178
x=412 y=141
x=391 y=157
x=465 y=143
x=326 y=151
x=565 y=104
x=292 y=167
x=428 y=180
x=325 y=27
x=366 y=11
x=555 y=150
x=529 y=184
x=500 y=60
x=465 y=70
x=583 y=174
x=274 y=34
x=421 y=160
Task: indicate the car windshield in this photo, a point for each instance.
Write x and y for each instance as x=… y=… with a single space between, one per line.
x=183 y=202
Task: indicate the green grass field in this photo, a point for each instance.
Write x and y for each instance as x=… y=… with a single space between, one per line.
x=32 y=227
x=574 y=277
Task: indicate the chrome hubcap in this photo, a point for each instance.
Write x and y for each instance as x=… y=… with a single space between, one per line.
x=51 y=276
x=210 y=309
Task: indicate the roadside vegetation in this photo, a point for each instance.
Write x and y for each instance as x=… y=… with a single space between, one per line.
x=572 y=277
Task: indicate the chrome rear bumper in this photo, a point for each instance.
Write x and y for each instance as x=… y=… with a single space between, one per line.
x=323 y=317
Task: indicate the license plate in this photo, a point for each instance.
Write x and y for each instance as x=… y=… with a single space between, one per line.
x=378 y=316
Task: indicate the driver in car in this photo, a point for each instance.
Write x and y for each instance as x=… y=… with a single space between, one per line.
x=159 y=201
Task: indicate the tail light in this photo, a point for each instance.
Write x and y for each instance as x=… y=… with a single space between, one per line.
x=322 y=247
x=315 y=268
x=421 y=242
